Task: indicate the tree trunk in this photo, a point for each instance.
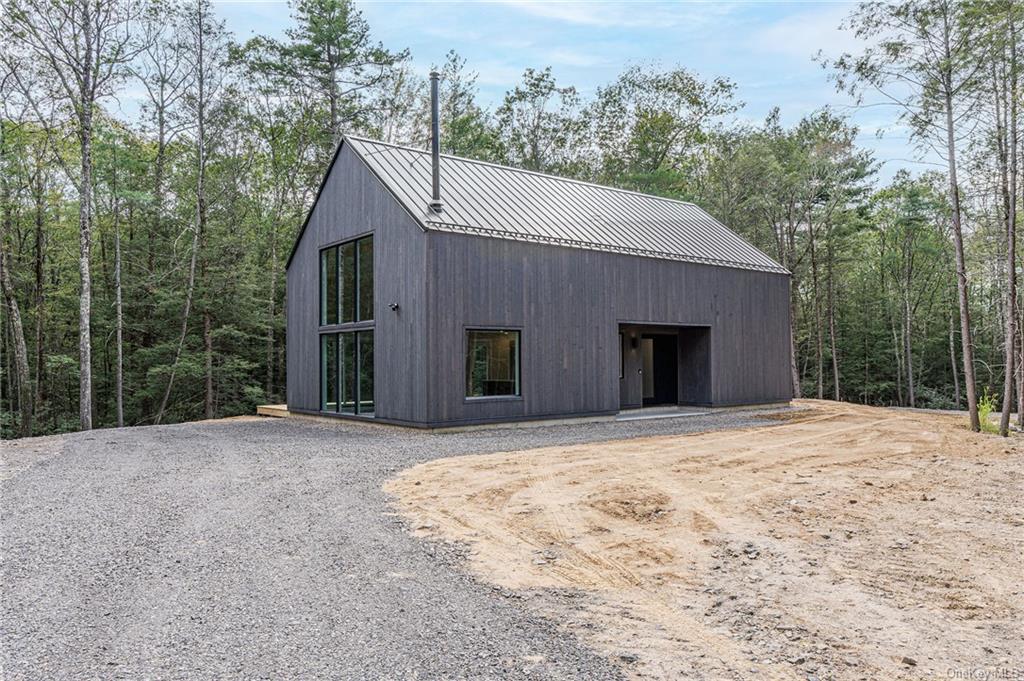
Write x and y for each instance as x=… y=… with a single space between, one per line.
x=966 y=342
x=832 y=325
x=85 y=275
x=118 y=313
x=907 y=350
x=1020 y=369
x=793 y=362
x=1009 y=185
x=40 y=301
x=24 y=384
x=270 y=314
x=819 y=355
x=87 y=96
x=186 y=310
x=333 y=97
x=898 y=357
x=794 y=370
x=200 y=214
x=158 y=189
x=208 y=351
x=952 y=359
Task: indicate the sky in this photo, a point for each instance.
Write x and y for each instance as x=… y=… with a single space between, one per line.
x=766 y=48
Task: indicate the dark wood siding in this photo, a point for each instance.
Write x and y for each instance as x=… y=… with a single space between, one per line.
x=353 y=203
x=570 y=303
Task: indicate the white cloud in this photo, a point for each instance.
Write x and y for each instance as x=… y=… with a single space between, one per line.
x=623 y=14
x=803 y=34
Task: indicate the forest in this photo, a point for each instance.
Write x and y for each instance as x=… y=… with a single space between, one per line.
x=142 y=256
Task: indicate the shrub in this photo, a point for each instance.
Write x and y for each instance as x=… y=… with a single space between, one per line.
x=987 y=405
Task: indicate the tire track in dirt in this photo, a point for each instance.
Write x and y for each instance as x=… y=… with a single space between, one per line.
x=801 y=548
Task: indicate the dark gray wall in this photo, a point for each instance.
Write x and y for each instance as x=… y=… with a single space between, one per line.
x=570 y=304
x=695 y=365
x=353 y=202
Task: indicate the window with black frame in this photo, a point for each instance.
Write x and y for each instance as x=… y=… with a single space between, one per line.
x=492 y=363
x=346 y=282
x=346 y=354
x=346 y=372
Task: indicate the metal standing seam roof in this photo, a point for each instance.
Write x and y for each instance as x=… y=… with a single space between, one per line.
x=508 y=203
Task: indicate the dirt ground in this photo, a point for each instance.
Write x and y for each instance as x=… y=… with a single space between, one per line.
x=846 y=542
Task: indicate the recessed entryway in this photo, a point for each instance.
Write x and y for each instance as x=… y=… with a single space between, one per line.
x=663 y=365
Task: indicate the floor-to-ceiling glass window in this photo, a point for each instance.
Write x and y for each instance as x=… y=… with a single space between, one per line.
x=346 y=327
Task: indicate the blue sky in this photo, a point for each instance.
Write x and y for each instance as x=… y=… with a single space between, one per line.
x=765 y=47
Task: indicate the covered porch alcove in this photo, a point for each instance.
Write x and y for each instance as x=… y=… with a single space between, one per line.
x=664 y=365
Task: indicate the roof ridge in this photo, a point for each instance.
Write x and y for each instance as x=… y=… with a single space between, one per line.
x=549 y=176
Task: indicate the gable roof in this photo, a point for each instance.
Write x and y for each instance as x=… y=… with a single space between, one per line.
x=507 y=203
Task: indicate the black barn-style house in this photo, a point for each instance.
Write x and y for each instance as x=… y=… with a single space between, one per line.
x=432 y=290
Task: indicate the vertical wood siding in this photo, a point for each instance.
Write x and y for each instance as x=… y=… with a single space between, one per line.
x=570 y=303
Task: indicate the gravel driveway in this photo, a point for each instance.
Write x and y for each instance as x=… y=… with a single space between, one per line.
x=259 y=549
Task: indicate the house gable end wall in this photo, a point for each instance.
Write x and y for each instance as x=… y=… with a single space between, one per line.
x=353 y=202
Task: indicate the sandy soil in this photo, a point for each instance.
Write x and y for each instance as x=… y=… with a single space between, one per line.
x=19 y=455
x=846 y=542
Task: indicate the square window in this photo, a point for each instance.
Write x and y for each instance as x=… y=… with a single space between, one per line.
x=492 y=363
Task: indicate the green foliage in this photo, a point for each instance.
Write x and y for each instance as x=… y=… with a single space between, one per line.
x=986 y=407
x=540 y=126
x=650 y=126
x=873 y=290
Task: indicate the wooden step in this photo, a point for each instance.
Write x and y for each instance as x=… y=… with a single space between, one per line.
x=274 y=410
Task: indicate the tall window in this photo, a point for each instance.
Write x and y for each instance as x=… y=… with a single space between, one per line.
x=346 y=355
x=346 y=282
x=492 y=363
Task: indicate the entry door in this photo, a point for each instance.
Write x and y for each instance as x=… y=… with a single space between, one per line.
x=660 y=369
x=647 y=368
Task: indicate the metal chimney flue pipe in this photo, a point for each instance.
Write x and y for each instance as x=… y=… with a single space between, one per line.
x=435 y=143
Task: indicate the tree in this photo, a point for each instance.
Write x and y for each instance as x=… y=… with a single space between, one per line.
x=1003 y=91
x=206 y=45
x=541 y=127
x=83 y=48
x=649 y=126
x=925 y=65
x=911 y=250
x=330 y=52
x=25 y=408
x=282 y=135
x=165 y=73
